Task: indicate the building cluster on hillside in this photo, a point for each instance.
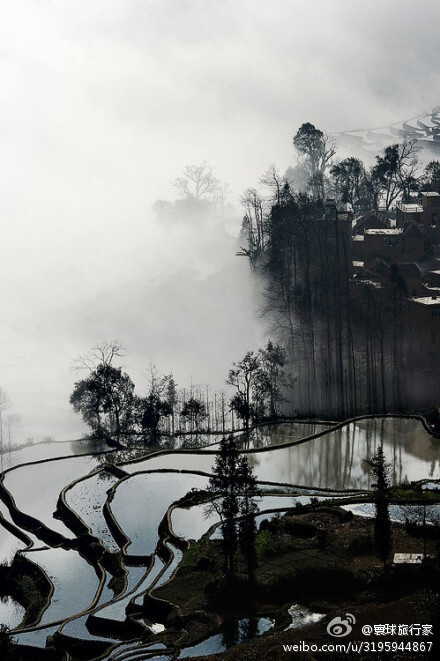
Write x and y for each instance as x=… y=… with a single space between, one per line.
x=409 y=244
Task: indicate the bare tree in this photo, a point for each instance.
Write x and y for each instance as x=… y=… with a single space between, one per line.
x=275 y=181
x=198 y=182
x=253 y=226
x=100 y=354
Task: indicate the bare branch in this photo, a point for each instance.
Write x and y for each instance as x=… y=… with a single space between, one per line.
x=100 y=354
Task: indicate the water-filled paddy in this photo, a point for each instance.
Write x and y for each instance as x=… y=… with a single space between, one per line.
x=36 y=487
x=36 y=638
x=169 y=571
x=75 y=582
x=9 y=545
x=339 y=459
x=279 y=434
x=49 y=450
x=87 y=499
x=193 y=522
x=336 y=460
x=400 y=513
x=116 y=610
x=234 y=631
x=141 y=502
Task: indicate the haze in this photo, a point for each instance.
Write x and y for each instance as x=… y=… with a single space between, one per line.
x=102 y=106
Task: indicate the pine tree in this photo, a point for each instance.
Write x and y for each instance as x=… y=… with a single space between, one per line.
x=225 y=482
x=381 y=490
x=234 y=490
x=247 y=528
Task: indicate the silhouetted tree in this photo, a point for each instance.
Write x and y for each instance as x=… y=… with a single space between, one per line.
x=155 y=405
x=199 y=185
x=253 y=226
x=381 y=490
x=247 y=529
x=318 y=151
x=105 y=400
x=348 y=180
x=172 y=399
x=12 y=420
x=395 y=171
x=103 y=353
x=234 y=484
x=243 y=376
x=271 y=376
x=430 y=179
x=194 y=412
x=225 y=484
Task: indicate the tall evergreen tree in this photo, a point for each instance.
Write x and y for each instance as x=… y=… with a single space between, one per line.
x=381 y=489
x=247 y=528
x=234 y=490
x=225 y=482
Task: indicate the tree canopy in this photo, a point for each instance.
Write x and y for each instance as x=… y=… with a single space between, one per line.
x=105 y=400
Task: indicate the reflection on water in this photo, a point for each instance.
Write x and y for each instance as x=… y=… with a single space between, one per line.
x=37 y=638
x=141 y=502
x=87 y=499
x=279 y=434
x=75 y=582
x=49 y=450
x=11 y=612
x=234 y=632
x=192 y=522
x=26 y=483
x=400 y=513
x=9 y=545
x=337 y=460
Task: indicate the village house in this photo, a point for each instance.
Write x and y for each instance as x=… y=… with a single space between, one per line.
x=410 y=246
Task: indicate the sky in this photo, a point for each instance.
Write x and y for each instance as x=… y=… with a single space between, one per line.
x=102 y=106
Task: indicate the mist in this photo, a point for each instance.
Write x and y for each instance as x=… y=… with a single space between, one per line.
x=103 y=104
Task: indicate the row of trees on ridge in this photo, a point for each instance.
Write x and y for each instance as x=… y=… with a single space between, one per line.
x=107 y=401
